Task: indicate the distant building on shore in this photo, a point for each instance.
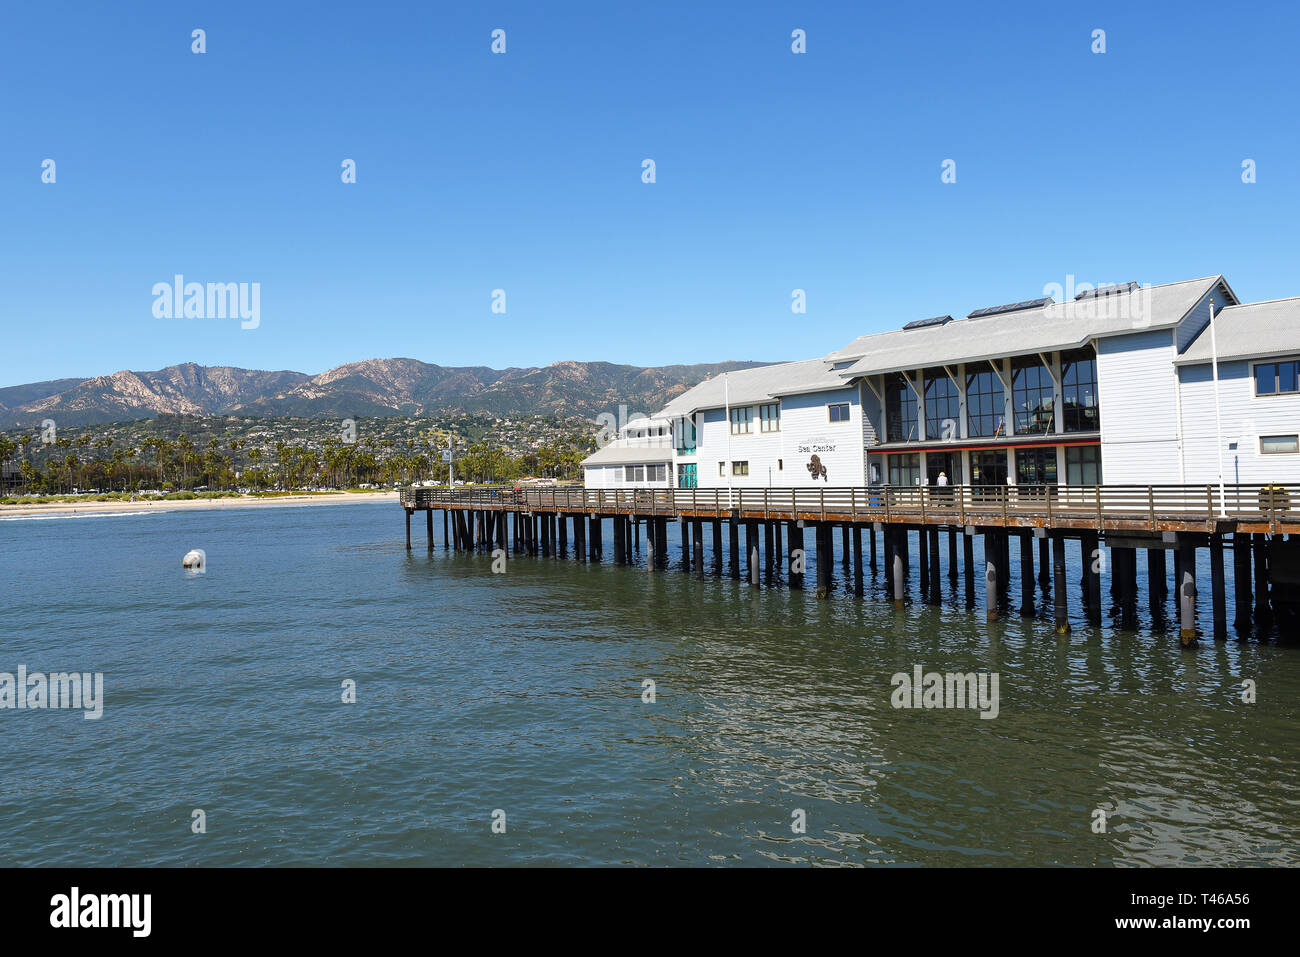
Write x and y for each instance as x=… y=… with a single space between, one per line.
x=1010 y=394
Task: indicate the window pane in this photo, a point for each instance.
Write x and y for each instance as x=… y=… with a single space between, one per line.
x=942 y=406
x=984 y=405
x=1286 y=377
x=1031 y=396
x=1265 y=379
x=1279 y=444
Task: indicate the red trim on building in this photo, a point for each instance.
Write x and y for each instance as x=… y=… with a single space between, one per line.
x=981 y=448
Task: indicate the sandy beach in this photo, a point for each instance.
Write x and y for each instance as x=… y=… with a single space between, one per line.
x=69 y=509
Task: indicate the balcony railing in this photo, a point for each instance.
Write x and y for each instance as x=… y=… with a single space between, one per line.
x=1137 y=506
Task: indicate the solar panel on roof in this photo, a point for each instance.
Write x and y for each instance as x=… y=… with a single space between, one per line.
x=1106 y=291
x=923 y=323
x=1011 y=307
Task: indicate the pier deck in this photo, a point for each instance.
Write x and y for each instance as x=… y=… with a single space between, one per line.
x=1273 y=510
x=1257 y=525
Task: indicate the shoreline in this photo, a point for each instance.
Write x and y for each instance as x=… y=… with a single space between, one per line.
x=70 y=509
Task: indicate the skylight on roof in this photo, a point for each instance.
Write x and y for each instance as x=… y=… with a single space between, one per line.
x=1011 y=307
x=926 y=323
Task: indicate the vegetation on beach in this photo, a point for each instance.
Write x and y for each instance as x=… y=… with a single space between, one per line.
x=214 y=455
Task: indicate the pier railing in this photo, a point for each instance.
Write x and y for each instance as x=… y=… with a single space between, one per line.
x=1152 y=507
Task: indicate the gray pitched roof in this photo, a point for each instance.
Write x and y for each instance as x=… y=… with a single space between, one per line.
x=629 y=455
x=757 y=385
x=1049 y=327
x=1254 y=329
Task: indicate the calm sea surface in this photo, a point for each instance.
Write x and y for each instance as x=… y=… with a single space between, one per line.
x=522 y=692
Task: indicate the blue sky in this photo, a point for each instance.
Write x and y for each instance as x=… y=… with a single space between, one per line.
x=522 y=172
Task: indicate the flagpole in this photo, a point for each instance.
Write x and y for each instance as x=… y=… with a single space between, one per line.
x=726 y=391
x=1218 y=420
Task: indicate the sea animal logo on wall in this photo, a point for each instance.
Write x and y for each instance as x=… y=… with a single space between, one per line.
x=816 y=468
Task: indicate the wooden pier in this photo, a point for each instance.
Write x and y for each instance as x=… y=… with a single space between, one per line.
x=1258 y=525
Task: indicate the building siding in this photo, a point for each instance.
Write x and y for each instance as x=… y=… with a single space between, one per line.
x=1245 y=417
x=1137 y=392
x=780 y=459
x=1199 y=317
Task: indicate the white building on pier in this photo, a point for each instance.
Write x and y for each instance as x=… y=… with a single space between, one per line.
x=1115 y=387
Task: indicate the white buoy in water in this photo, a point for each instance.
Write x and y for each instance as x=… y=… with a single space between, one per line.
x=196 y=560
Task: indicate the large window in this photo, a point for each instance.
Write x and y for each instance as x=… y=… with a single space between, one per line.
x=1083 y=465
x=900 y=410
x=769 y=417
x=1079 y=391
x=686 y=434
x=942 y=406
x=838 y=411
x=742 y=421
x=739 y=468
x=1036 y=466
x=1273 y=378
x=635 y=473
x=946 y=464
x=1032 y=396
x=904 y=469
x=988 y=467
x=985 y=405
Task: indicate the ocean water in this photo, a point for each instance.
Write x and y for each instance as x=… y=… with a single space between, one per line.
x=518 y=698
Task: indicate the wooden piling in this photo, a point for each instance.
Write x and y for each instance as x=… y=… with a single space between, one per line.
x=991 y=586
x=952 y=554
x=734 y=547
x=923 y=562
x=768 y=544
x=795 y=553
x=1157 y=582
x=1027 y=585
x=857 y=560
x=697 y=541
x=887 y=541
x=1218 y=589
x=1263 y=614
x=1125 y=571
x=1241 y=586
x=620 y=542
x=934 y=596
x=825 y=558
x=1187 y=591
x=1062 y=595
x=898 y=575
x=751 y=550
x=968 y=561
x=408 y=529
x=1090 y=552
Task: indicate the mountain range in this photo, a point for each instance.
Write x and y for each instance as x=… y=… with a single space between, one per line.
x=373 y=387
